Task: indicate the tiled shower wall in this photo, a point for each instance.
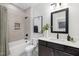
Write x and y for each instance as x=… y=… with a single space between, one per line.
x=15 y=15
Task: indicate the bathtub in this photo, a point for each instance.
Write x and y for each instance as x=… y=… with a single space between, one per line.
x=17 y=47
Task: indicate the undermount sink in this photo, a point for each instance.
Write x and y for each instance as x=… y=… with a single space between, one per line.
x=50 y=38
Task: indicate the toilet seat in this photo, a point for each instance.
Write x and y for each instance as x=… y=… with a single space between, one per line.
x=30 y=47
x=29 y=50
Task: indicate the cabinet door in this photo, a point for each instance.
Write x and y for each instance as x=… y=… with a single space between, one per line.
x=60 y=53
x=45 y=51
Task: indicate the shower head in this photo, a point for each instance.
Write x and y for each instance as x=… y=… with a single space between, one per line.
x=26 y=17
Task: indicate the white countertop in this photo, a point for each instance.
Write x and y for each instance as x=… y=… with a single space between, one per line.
x=59 y=41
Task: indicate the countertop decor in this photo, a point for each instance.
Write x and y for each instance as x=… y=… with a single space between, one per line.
x=45 y=30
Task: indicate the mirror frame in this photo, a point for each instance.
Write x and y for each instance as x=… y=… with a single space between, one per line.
x=41 y=18
x=67 y=22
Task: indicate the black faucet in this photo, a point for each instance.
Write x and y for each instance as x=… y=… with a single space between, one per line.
x=57 y=35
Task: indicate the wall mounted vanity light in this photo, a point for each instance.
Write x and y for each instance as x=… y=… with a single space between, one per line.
x=55 y=4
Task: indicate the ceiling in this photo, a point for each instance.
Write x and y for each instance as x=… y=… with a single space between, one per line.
x=24 y=6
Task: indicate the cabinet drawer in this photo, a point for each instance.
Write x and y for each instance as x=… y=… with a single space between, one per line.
x=55 y=46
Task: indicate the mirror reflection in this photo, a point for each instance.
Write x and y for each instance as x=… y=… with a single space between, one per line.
x=37 y=24
x=59 y=21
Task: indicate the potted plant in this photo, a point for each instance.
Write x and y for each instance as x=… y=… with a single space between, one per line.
x=45 y=30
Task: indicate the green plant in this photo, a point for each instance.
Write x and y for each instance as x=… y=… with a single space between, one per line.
x=45 y=28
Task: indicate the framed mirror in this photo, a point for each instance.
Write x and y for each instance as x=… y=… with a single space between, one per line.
x=59 y=21
x=37 y=24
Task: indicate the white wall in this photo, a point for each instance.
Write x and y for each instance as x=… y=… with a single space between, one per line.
x=74 y=20
x=42 y=9
x=39 y=10
x=45 y=10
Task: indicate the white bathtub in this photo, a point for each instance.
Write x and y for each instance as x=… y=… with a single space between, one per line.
x=17 y=47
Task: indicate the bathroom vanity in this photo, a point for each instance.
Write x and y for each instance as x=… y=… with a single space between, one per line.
x=60 y=48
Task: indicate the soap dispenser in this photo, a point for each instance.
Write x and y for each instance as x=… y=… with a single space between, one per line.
x=68 y=37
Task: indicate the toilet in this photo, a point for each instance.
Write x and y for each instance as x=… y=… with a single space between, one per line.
x=30 y=47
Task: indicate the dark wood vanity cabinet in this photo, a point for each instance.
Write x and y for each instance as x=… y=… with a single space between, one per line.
x=44 y=50
x=54 y=49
